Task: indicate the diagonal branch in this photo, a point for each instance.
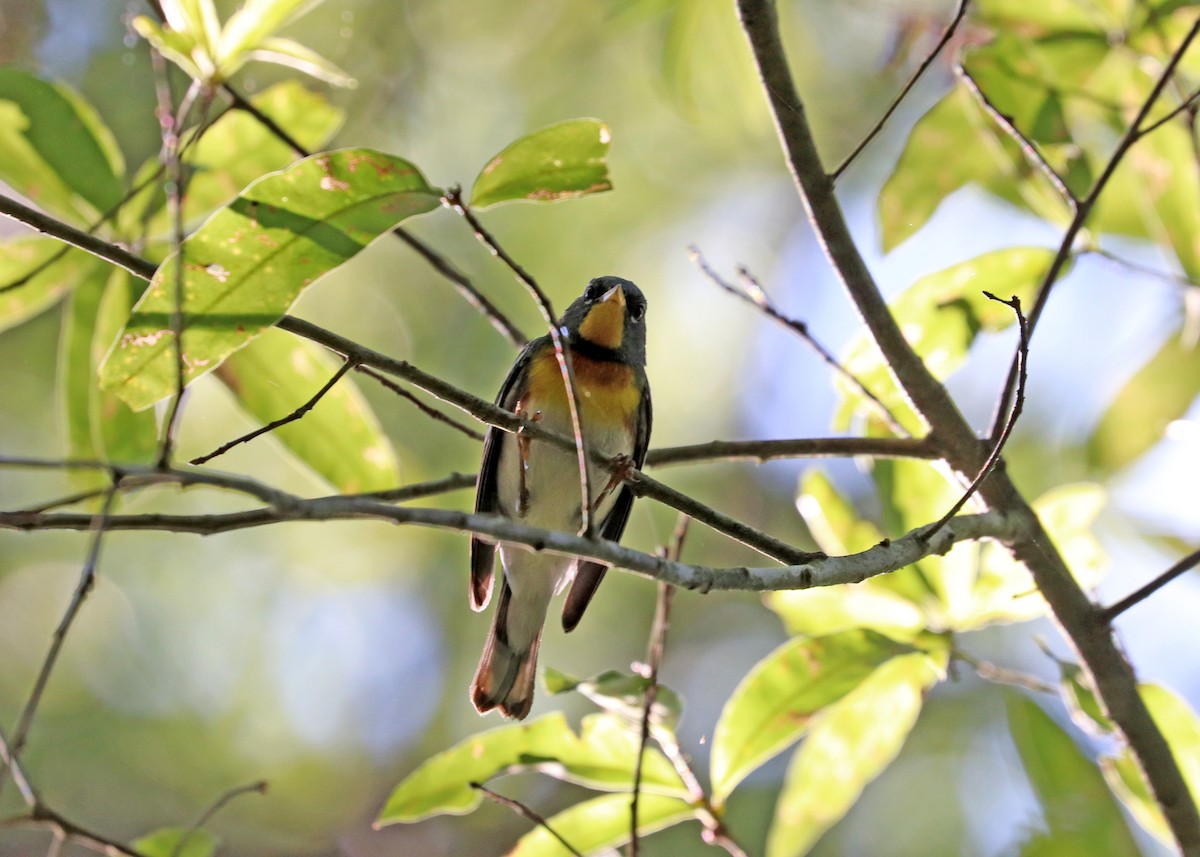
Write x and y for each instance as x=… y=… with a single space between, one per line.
x=947 y=35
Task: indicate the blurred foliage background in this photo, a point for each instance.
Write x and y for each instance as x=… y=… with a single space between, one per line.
x=331 y=659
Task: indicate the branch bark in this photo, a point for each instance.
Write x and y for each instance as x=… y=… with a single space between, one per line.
x=1079 y=618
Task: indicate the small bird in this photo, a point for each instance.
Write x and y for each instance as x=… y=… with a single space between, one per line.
x=537 y=483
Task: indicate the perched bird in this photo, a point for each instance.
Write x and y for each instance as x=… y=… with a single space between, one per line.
x=537 y=483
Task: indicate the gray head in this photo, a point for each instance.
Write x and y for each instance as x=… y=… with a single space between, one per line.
x=608 y=320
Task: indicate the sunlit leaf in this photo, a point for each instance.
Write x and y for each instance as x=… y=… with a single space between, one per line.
x=249 y=262
x=176 y=842
x=237 y=148
x=560 y=161
x=98 y=425
x=256 y=20
x=184 y=47
x=1048 y=16
x=292 y=54
x=55 y=150
x=953 y=145
x=774 y=704
x=849 y=744
x=1160 y=391
x=1080 y=816
x=600 y=825
x=340 y=439
x=1181 y=727
x=622 y=694
x=52 y=270
x=1082 y=701
x=602 y=757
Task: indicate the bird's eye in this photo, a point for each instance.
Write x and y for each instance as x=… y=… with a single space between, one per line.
x=594 y=290
x=637 y=309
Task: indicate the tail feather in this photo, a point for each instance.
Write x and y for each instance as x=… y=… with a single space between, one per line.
x=505 y=676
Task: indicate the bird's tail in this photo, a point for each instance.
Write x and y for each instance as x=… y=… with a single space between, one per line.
x=504 y=677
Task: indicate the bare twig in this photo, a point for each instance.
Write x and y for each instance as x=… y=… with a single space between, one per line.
x=757 y=298
x=68 y=500
x=1186 y=564
x=432 y=413
x=44 y=817
x=258 y=787
x=654 y=655
x=562 y=352
x=1020 y=363
x=1003 y=675
x=439 y=263
x=947 y=35
x=526 y=813
x=1083 y=210
x=1129 y=265
x=24 y=786
x=98 y=524
x=1031 y=152
x=282 y=421
x=761 y=451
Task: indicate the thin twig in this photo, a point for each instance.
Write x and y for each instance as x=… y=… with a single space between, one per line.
x=346 y=366
x=1129 y=265
x=1031 y=152
x=258 y=787
x=170 y=123
x=947 y=34
x=69 y=500
x=98 y=524
x=762 y=451
x=45 y=817
x=1185 y=105
x=433 y=413
x=1186 y=564
x=1020 y=364
x=28 y=793
x=526 y=813
x=757 y=297
x=562 y=352
x=654 y=656
x=1003 y=675
x=439 y=263
x=1082 y=211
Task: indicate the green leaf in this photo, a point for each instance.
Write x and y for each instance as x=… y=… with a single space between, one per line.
x=340 y=438
x=166 y=842
x=1137 y=417
x=52 y=268
x=879 y=603
x=1047 y=17
x=560 y=161
x=774 y=704
x=1080 y=816
x=850 y=743
x=182 y=47
x=1082 y=701
x=601 y=757
x=249 y=262
x=953 y=145
x=292 y=54
x=622 y=694
x=98 y=425
x=55 y=150
x=256 y=20
x=941 y=315
x=238 y=149
x=1180 y=726
x=601 y=825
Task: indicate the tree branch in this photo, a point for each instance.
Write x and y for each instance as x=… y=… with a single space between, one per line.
x=947 y=35
x=1031 y=545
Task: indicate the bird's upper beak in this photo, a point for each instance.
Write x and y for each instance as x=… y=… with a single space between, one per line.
x=615 y=293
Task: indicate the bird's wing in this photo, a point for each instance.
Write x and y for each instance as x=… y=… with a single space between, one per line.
x=589 y=574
